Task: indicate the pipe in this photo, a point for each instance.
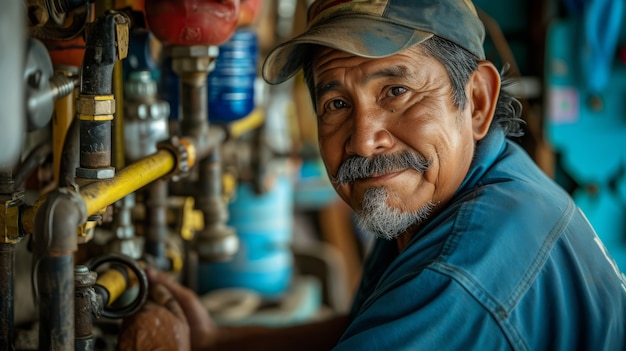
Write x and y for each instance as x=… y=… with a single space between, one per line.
x=118 y=127
x=61 y=123
x=100 y=194
x=156 y=226
x=105 y=45
x=95 y=144
x=194 y=104
x=100 y=57
x=55 y=243
x=7 y=283
x=217 y=241
x=70 y=156
x=84 y=281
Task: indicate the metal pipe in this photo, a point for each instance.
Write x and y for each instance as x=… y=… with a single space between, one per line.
x=156 y=226
x=194 y=103
x=100 y=194
x=7 y=283
x=100 y=57
x=106 y=43
x=61 y=123
x=70 y=156
x=84 y=281
x=95 y=144
x=217 y=241
x=55 y=243
x=192 y=64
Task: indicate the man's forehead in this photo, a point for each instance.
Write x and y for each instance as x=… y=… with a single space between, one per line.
x=321 y=56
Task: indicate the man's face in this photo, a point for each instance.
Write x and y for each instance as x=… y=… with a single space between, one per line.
x=398 y=105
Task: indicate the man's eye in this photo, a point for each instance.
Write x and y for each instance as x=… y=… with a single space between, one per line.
x=336 y=104
x=395 y=91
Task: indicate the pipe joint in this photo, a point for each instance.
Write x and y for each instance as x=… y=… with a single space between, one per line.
x=57 y=222
x=194 y=59
x=95 y=107
x=184 y=152
x=10 y=219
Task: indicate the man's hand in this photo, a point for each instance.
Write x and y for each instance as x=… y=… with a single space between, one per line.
x=202 y=329
x=159 y=325
x=173 y=319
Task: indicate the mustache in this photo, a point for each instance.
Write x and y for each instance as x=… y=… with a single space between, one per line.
x=358 y=167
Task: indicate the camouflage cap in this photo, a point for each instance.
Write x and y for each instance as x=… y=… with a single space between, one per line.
x=376 y=28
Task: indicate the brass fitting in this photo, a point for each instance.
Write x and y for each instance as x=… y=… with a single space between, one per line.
x=184 y=152
x=95 y=107
x=10 y=220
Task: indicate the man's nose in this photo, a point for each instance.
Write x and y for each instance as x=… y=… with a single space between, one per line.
x=369 y=135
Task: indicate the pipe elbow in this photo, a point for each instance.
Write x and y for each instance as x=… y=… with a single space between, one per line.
x=57 y=221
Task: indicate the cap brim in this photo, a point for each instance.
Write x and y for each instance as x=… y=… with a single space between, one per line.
x=362 y=36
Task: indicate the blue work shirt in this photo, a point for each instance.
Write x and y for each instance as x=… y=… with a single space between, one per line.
x=510 y=264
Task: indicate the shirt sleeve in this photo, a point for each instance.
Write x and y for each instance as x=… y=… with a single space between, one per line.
x=426 y=311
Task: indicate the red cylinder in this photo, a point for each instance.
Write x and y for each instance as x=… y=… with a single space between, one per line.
x=192 y=22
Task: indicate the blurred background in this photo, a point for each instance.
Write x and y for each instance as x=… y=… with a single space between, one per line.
x=139 y=132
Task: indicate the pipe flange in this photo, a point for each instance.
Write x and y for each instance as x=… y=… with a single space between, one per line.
x=184 y=154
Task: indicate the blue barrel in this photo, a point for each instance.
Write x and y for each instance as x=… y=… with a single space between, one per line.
x=264 y=262
x=231 y=83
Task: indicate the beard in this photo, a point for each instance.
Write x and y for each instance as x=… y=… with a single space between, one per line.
x=384 y=221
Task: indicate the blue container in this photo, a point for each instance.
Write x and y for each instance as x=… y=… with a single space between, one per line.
x=264 y=262
x=231 y=83
x=169 y=87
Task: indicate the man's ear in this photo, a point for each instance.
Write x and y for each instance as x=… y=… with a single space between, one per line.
x=484 y=89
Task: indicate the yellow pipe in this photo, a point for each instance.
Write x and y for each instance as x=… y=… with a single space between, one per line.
x=102 y=193
x=252 y=121
x=63 y=116
x=114 y=282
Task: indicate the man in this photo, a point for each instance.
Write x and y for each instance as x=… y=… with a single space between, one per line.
x=477 y=248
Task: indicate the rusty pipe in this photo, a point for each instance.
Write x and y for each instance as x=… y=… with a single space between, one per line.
x=7 y=286
x=84 y=293
x=55 y=242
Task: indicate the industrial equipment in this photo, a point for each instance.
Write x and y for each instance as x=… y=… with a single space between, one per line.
x=102 y=171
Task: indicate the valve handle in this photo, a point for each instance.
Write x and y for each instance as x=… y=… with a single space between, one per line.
x=142 y=296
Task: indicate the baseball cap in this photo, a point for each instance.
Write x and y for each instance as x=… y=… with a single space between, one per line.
x=376 y=28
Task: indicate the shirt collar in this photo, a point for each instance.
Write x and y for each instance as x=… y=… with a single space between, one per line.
x=487 y=152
